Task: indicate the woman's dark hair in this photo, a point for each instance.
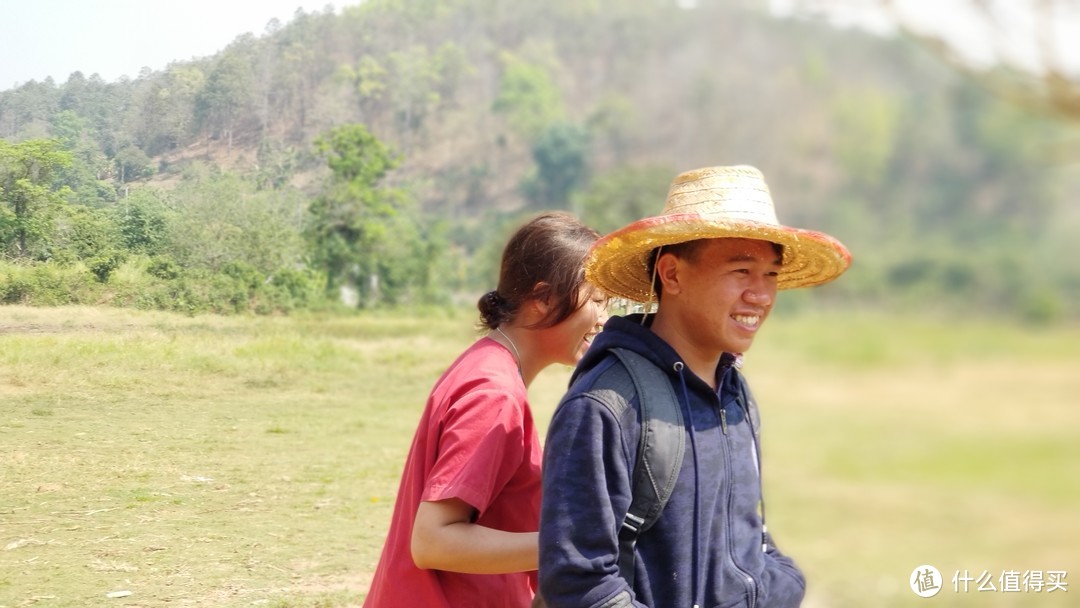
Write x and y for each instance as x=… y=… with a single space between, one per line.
x=543 y=260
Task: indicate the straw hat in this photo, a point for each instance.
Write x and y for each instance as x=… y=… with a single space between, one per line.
x=715 y=202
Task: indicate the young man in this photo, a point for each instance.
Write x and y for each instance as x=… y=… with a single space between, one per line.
x=713 y=261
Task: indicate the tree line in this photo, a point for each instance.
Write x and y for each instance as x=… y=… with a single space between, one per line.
x=383 y=152
x=216 y=241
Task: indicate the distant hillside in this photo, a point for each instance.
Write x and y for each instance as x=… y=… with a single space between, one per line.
x=499 y=107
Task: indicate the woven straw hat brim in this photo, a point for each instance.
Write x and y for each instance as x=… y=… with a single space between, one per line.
x=618 y=263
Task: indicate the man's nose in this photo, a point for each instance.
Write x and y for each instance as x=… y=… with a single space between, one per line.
x=760 y=295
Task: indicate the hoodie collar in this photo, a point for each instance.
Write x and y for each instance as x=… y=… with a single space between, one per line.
x=633 y=332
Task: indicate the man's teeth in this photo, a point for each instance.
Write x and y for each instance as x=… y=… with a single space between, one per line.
x=747 y=319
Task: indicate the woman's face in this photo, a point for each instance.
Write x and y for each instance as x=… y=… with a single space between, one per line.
x=572 y=337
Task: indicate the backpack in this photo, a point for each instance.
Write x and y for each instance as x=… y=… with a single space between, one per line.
x=659 y=454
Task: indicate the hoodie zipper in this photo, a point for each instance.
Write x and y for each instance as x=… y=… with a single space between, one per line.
x=751 y=584
x=696 y=580
x=747 y=577
x=744 y=402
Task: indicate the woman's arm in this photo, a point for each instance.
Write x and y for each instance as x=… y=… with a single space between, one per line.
x=444 y=538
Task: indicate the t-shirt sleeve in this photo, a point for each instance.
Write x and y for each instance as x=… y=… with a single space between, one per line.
x=481 y=445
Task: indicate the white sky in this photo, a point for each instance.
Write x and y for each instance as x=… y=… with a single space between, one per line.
x=114 y=38
x=1013 y=36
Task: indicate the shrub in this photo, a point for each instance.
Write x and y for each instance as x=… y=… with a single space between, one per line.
x=48 y=284
x=102 y=265
x=163 y=267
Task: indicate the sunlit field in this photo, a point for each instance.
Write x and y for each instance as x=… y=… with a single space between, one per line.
x=209 y=461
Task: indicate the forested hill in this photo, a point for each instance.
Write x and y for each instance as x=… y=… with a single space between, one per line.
x=387 y=149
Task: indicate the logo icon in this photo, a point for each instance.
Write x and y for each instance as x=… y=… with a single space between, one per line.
x=925 y=581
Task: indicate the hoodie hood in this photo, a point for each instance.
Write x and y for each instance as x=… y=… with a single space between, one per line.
x=629 y=333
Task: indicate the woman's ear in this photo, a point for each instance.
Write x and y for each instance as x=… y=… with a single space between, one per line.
x=540 y=299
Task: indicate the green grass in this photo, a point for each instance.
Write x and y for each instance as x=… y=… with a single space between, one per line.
x=210 y=461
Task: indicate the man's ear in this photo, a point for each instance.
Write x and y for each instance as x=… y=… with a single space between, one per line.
x=667 y=270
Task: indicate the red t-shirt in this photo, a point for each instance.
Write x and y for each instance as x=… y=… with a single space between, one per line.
x=476 y=442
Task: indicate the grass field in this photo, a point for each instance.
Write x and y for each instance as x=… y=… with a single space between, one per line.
x=236 y=461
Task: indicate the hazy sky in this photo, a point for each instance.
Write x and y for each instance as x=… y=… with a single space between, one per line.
x=40 y=38
x=1012 y=36
x=114 y=38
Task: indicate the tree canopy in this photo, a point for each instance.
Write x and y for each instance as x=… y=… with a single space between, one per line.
x=384 y=149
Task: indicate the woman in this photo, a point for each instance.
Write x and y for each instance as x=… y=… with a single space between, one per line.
x=463 y=533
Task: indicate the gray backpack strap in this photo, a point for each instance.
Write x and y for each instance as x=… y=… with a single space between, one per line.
x=659 y=455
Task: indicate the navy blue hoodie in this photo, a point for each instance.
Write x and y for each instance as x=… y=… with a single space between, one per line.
x=708 y=547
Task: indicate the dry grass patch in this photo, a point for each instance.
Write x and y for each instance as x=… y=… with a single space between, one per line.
x=212 y=461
